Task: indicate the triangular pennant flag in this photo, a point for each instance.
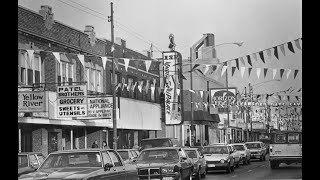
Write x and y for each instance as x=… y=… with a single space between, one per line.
x=297 y=42
x=276 y=52
x=218 y=67
x=258 y=72
x=299 y=90
x=80 y=57
x=279 y=97
x=249 y=70
x=269 y=53
x=206 y=69
x=288 y=73
x=178 y=92
x=116 y=63
x=57 y=56
x=195 y=66
x=290 y=47
x=242 y=61
x=112 y=48
x=148 y=63
x=265 y=70
x=242 y=69
x=30 y=60
x=237 y=63
x=281 y=72
x=126 y=63
x=295 y=73
x=233 y=69
x=288 y=98
x=297 y=97
x=201 y=93
x=261 y=56
x=192 y=91
x=182 y=76
x=104 y=62
x=224 y=69
x=140 y=86
x=249 y=60
x=274 y=72
x=255 y=56
x=282 y=49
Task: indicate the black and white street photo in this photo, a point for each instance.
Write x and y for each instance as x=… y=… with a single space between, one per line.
x=159 y=89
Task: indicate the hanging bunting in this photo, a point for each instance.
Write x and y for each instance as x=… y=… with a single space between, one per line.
x=269 y=53
x=104 y=61
x=116 y=63
x=195 y=66
x=129 y=85
x=233 y=69
x=112 y=48
x=288 y=98
x=249 y=70
x=288 y=73
x=281 y=72
x=299 y=90
x=279 y=97
x=57 y=56
x=148 y=63
x=182 y=76
x=282 y=49
x=295 y=73
x=290 y=47
x=201 y=93
x=206 y=69
x=224 y=69
x=126 y=63
x=258 y=72
x=249 y=60
x=192 y=91
x=242 y=69
x=140 y=86
x=274 y=72
x=255 y=56
x=30 y=59
x=265 y=70
x=242 y=61
x=218 y=68
x=237 y=63
x=134 y=87
x=297 y=97
x=297 y=42
x=276 y=52
x=261 y=56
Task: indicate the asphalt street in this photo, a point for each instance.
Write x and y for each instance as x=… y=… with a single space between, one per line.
x=258 y=170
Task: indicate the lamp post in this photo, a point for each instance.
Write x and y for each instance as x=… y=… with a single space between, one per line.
x=239 y=44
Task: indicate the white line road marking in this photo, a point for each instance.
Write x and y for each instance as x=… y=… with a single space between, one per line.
x=234 y=176
x=249 y=170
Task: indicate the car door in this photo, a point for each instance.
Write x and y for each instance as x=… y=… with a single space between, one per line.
x=109 y=174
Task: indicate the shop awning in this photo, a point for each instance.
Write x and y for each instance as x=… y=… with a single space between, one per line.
x=201 y=117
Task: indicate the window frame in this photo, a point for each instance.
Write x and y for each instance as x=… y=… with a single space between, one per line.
x=26 y=64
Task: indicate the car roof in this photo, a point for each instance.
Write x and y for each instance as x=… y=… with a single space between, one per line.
x=216 y=145
x=160 y=148
x=126 y=150
x=253 y=142
x=195 y=149
x=81 y=150
x=157 y=138
x=26 y=153
x=237 y=144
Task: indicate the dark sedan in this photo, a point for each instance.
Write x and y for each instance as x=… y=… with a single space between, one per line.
x=166 y=163
x=84 y=164
x=29 y=162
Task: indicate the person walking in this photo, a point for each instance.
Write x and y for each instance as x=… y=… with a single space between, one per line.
x=95 y=144
x=105 y=145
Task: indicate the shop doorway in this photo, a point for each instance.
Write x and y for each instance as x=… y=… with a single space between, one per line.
x=26 y=141
x=52 y=142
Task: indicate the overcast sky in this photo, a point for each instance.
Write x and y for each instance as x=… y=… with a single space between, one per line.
x=260 y=24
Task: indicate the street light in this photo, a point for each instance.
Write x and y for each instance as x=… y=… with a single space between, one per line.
x=228 y=118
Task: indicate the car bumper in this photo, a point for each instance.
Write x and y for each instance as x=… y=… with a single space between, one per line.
x=168 y=176
x=255 y=156
x=285 y=159
x=217 y=166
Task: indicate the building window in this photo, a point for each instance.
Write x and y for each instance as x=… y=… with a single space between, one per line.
x=65 y=73
x=93 y=76
x=30 y=70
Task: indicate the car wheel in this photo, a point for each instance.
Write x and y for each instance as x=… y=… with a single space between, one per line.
x=261 y=158
x=245 y=161
x=204 y=173
x=272 y=165
x=228 y=169
x=249 y=161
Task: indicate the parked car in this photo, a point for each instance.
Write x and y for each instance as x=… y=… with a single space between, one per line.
x=219 y=157
x=158 y=142
x=235 y=155
x=83 y=164
x=243 y=151
x=166 y=163
x=29 y=162
x=199 y=163
x=128 y=155
x=257 y=150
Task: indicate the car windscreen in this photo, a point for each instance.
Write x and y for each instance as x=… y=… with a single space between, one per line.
x=156 y=143
x=124 y=154
x=74 y=159
x=253 y=145
x=215 y=150
x=159 y=155
x=191 y=153
x=239 y=147
x=22 y=161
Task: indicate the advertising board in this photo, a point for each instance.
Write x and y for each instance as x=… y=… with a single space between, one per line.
x=220 y=98
x=31 y=101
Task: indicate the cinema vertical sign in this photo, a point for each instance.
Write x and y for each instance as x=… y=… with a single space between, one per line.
x=171 y=84
x=72 y=101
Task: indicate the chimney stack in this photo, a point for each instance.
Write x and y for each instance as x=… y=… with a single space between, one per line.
x=88 y=29
x=45 y=9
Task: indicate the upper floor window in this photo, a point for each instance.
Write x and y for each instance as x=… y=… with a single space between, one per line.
x=30 y=69
x=66 y=72
x=93 y=76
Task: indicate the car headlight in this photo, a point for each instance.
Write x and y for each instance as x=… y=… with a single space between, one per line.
x=167 y=170
x=222 y=160
x=228 y=160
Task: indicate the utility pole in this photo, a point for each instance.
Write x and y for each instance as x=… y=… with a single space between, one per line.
x=114 y=113
x=247 y=116
x=228 y=108
x=251 y=94
x=191 y=110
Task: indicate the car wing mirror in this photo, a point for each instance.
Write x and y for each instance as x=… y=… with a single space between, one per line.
x=35 y=165
x=108 y=166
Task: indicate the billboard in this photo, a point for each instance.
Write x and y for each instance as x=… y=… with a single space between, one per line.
x=171 y=84
x=72 y=101
x=31 y=101
x=220 y=97
x=99 y=108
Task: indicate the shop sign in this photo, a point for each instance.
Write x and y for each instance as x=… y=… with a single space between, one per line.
x=33 y=101
x=99 y=108
x=171 y=84
x=220 y=98
x=256 y=125
x=72 y=101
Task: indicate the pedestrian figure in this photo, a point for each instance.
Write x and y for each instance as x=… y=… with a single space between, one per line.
x=187 y=143
x=198 y=143
x=205 y=143
x=95 y=144
x=105 y=145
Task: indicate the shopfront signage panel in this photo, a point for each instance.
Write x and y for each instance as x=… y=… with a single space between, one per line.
x=33 y=101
